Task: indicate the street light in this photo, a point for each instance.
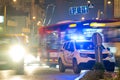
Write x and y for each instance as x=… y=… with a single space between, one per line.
x=33 y=17
x=14 y=0
x=106 y=3
x=83 y=18
x=109 y=2
x=88 y=2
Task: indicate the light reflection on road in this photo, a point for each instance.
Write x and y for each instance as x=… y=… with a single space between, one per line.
x=30 y=70
x=38 y=73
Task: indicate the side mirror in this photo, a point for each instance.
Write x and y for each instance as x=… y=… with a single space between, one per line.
x=108 y=49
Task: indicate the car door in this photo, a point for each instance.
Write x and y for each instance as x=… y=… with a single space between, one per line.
x=66 y=52
x=70 y=52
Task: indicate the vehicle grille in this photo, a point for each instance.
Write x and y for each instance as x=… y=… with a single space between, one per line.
x=93 y=56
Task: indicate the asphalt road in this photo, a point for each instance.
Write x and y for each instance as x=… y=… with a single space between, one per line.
x=38 y=73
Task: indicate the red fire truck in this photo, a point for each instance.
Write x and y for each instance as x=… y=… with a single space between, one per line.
x=50 y=40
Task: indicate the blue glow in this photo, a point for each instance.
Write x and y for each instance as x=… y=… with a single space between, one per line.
x=78 y=10
x=74 y=37
x=78 y=37
x=89 y=32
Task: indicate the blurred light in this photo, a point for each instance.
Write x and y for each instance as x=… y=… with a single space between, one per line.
x=88 y=2
x=90 y=32
x=16 y=78
x=33 y=17
x=72 y=25
x=1 y=19
x=45 y=65
x=38 y=23
x=101 y=12
x=109 y=2
x=29 y=58
x=86 y=24
x=113 y=49
x=94 y=24
x=17 y=52
x=83 y=18
x=97 y=18
x=14 y=0
x=57 y=66
x=83 y=72
x=75 y=37
x=22 y=34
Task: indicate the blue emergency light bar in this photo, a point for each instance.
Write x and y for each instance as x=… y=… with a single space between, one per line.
x=79 y=37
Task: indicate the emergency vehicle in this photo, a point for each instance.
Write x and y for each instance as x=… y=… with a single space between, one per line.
x=80 y=55
x=78 y=52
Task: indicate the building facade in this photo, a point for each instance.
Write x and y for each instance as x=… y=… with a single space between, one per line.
x=117 y=9
x=23 y=10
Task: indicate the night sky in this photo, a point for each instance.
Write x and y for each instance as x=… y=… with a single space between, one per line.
x=61 y=10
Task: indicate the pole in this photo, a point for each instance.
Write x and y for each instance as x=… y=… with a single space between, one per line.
x=5 y=17
x=51 y=15
x=98 y=14
x=97 y=41
x=105 y=8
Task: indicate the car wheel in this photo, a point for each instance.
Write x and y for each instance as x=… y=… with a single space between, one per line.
x=61 y=66
x=110 y=67
x=76 y=68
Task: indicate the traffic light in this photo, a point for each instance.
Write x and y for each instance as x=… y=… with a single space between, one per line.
x=37 y=2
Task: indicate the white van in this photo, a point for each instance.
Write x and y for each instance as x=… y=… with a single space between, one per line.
x=80 y=55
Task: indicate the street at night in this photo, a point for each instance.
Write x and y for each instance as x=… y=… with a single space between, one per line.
x=38 y=73
x=76 y=39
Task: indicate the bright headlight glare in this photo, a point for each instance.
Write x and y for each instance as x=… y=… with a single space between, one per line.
x=29 y=58
x=17 y=52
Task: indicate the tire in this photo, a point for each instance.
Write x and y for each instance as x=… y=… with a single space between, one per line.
x=61 y=66
x=110 y=67
x=76 y=68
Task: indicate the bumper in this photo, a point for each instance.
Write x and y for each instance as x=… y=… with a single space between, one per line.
x=89 y=65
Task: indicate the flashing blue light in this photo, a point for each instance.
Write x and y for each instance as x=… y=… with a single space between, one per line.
x=81 y=38
x=78 y=37
x=74 y=37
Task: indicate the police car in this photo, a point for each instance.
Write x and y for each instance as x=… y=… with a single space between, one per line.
x=80 y=55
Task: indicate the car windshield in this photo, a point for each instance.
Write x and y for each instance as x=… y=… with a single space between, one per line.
x=84 y=45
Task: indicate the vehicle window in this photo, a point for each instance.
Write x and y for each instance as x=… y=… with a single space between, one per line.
x=71 y=48
x=52 y=41
x=67 y=46
x=64 y=45
x=84 y=45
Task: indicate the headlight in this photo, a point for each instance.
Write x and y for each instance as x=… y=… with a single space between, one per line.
x=17 y=52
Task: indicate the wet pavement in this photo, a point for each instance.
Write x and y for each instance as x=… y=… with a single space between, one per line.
x=38 y=73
